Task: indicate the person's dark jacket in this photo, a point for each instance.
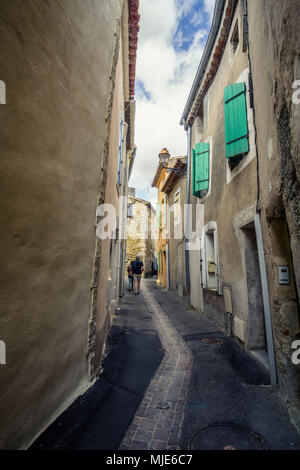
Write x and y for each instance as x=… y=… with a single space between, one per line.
x=137 y=267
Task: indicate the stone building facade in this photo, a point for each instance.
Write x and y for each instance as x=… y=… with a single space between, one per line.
x=170 y=181
x=175 y=190
x=140 y=228
x=67 y=130
x=274 y=26
x=161 y=224
x=243 y=167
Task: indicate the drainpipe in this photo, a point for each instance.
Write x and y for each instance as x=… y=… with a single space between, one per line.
x=187 y=213
x=123 y=214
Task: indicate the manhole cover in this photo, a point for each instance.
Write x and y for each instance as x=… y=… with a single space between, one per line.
x=149 y=332
x=163 y=405
x=221 y=436
x=212 y=341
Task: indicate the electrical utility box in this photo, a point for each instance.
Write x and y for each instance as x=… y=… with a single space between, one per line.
x=284 y=275
x=211 y=267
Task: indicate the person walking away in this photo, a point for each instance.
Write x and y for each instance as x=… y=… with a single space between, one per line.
x=130 y=277
x=138 y=269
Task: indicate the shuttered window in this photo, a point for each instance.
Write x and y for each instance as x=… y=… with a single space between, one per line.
x=200 y=167
x=158 y=215
x=236 y=124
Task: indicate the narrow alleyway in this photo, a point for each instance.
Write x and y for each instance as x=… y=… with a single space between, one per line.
x=172 y=380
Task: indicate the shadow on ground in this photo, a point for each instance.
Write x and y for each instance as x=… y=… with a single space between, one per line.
x=230 y=401
x=99 y=418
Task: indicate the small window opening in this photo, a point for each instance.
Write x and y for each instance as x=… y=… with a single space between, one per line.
x=130 y=213
x=234 y=161
x=235 y=38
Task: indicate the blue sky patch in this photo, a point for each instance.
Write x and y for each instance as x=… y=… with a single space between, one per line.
x=141 y=92
x=190 y=21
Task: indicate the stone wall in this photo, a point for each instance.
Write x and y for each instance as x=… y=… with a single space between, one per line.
x=274 y=26
x=139 y=241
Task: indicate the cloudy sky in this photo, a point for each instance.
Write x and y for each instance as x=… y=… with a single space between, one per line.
x=172 y=38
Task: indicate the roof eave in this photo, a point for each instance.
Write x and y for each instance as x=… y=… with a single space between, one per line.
x=216 y=22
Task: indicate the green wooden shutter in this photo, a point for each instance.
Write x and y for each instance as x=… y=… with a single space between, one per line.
x=200 y=180
x=236 y=123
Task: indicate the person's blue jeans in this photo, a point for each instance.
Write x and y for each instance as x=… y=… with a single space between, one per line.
x=130 y=280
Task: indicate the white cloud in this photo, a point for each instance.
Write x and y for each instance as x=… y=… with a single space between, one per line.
x=167 y=74
x=210 y=7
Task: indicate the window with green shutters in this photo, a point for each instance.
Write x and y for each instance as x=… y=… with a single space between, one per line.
x=236 y=123
x=200 y=168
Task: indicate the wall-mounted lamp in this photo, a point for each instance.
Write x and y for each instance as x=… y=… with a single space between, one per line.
x=164 y=160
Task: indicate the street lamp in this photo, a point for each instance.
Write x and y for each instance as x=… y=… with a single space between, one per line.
x=164 y=160
x=164 y=157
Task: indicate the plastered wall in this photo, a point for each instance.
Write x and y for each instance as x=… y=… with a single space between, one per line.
x=55 y=59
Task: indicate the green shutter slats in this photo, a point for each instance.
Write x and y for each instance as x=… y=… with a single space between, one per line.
x=236 y=123
x=200 y=167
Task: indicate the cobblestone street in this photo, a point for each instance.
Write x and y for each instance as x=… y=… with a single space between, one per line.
x=172 y=380
x=158 y=427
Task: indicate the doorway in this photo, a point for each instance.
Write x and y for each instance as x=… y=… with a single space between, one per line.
x=257 y=342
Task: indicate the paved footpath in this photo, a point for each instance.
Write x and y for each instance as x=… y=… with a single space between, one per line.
x=172 y=380
x=158 y=421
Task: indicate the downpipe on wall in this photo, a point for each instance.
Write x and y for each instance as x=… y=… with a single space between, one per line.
x=187 y=218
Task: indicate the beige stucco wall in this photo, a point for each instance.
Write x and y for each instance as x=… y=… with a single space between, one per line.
x=274 y=26
x=176 y=245
x=161 y=242
x=108 y=278
x=52 y=135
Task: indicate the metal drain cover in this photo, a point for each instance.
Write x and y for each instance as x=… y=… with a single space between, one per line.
x=221 y=436
x=149 y=332
x=212 y=341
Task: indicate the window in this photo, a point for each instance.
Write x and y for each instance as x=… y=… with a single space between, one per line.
x=245 y=34
x=234 y=42
x=165 y=211
x=210 y=261
x=200 y=168
x=236 y=123
x=129 y=210
x=199 y=125
x=158 y=215
x=177 y=208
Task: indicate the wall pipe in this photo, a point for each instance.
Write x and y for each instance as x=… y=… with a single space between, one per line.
x=187 y=212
